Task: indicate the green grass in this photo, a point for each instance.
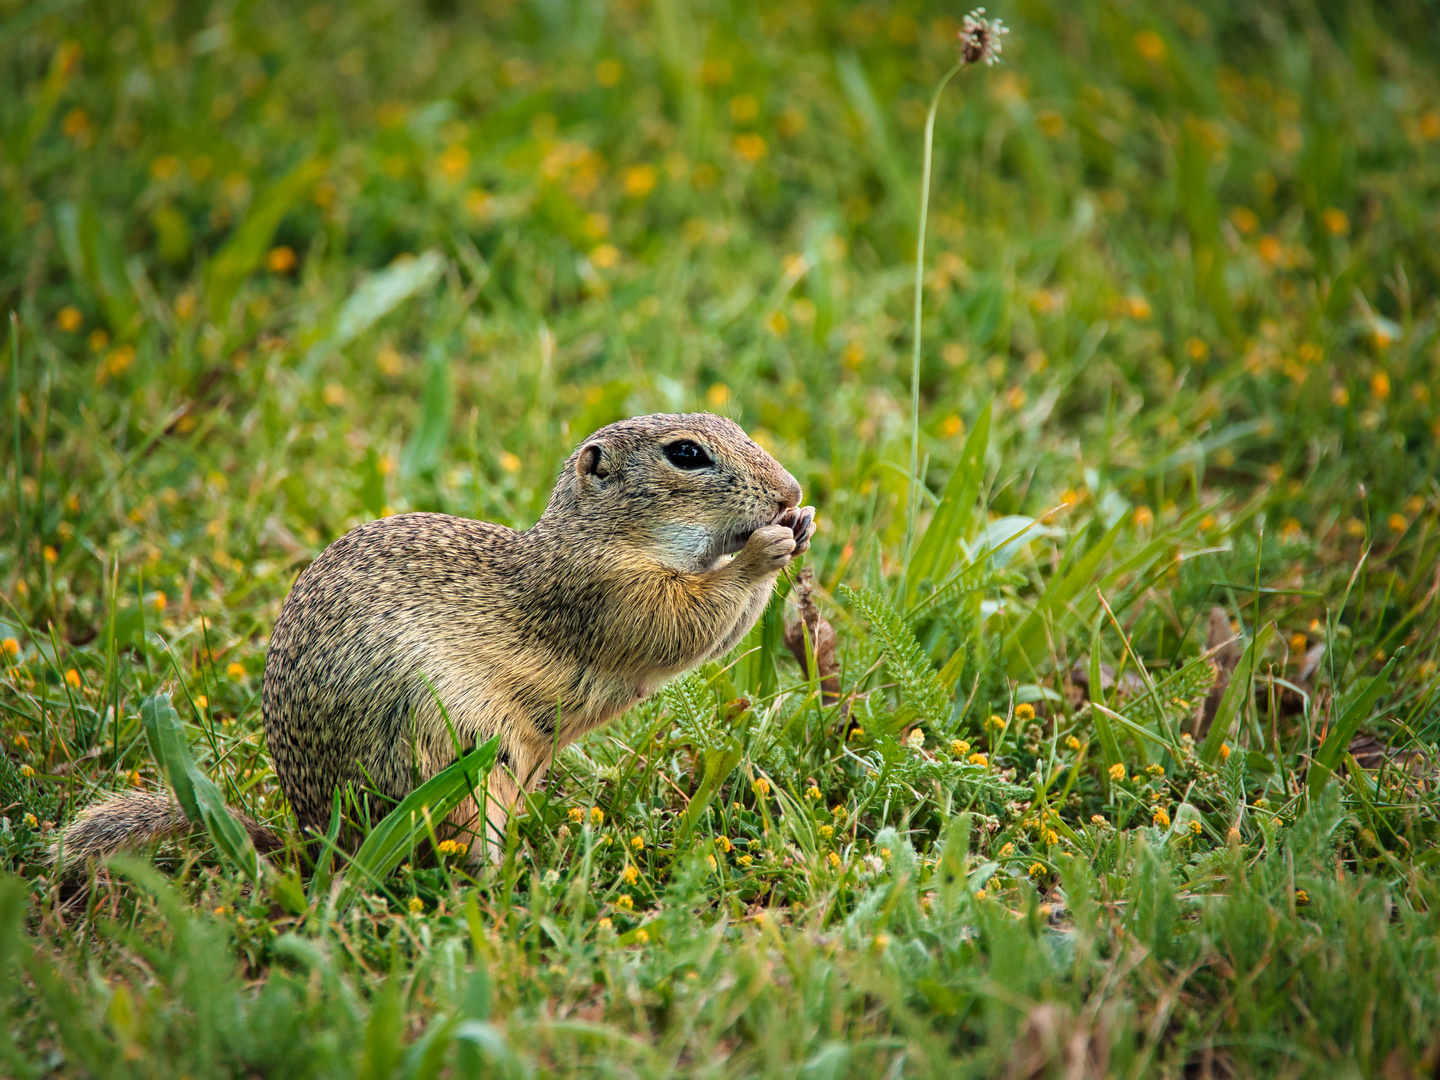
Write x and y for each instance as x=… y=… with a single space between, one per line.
x=278 y=269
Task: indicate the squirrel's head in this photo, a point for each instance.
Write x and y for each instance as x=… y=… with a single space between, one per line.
x=687 y=487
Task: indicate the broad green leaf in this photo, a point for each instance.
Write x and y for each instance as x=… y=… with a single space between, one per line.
x=376 y=296
x=1237 y=692
x=1337 y=741
x=1022 y=650
x=437 y=408
x=197 y=794
x=936 y=550
x=1109 y=745
x=389 y=841
x=241 y=255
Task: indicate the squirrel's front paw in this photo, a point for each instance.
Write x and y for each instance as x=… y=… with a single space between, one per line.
x=800 y=520
x=770 y=548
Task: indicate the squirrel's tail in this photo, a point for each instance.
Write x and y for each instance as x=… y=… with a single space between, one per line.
x=136 y=818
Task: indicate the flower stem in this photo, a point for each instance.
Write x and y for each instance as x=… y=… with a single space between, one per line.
x=919 y=298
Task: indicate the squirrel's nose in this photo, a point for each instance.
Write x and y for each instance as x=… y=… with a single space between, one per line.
x=790 y=494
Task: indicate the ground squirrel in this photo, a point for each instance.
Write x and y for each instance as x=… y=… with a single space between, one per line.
x=659 y=549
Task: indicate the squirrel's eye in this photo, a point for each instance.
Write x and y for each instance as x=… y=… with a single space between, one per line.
x=688 y=455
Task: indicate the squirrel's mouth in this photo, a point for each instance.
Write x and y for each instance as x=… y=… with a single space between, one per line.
x=733 y=542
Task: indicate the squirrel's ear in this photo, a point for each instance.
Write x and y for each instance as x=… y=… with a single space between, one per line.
x=591 y=462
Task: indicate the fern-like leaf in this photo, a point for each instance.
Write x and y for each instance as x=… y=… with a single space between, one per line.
x=920 y=685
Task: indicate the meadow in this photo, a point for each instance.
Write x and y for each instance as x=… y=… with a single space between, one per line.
x=1130 y=767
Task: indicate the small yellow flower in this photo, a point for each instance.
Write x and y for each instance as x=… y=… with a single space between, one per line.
x=1073 y=743
x=1050 y=837
x=1144 y=516
x=597 y=816
x=856 y=732
x=1380 y=385
x=1161 y=818
x=1037 y=870
x=454 y=162
x=978 y=759
x=1098 y=820
x=158 y=601
x=834 y=860
x=750 y=147
x=1224 y=751
x=201 y=701
x=1025 y=711
x=604 y=923
x=1007 y=850
x=281 y=260
x=605 y=256
x=1301 y=897
x=885 y=853
x=26 y=771
x=639 y=180
x=1196 y=828
x=813 y=792
x=711 y=860
x=22 y=742
x=1117 y=772
x=1397 y=523
x=73 y=678
x=577 y=815
x=745 y=860
x=638 y=843
x=10 y=647
x=1335 y=221
x=69 y=319
x=1197 y=349
x=838 y=811
x=761 y=787
x=416 y=905
x=996 y=722
x=642 y=936
x=133 y=777
x=608 y=72
x=827 y=831
x=881 y=942
x=222 y=910
x=959 y=747
x=951 y=426
x=450 y=847
x=723 y=843
x=630 y=875
x=1155 y=769
x=625 y=902
x=1137 y=307
x=980 y=894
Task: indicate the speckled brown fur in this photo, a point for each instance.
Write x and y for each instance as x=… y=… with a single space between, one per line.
x=624 y=582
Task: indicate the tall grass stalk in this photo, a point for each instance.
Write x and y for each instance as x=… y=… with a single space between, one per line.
x=919 y=303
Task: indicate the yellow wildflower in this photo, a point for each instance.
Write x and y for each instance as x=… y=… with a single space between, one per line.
x=750 y=147
x=281 y=260
x=625 y=902
x=1161 y=818
x=1224 y=751
x=597 y=816
x=813 y=792
x=1037 y=870
x=26 y=771
x=1025 y=711
x=604 y=923
x=761 y=787
x=959 y=747
x=642 y=936
x=834 y=860
x=10 y=647
x=996 y=722
x=577 y=815
x=416 y=905
x=638 y=843
x=69 y=319
x=73 y=678
x=978 y=759
x=1117 y=772
x=631 y=875
x=1073 y=743
x=723 y=843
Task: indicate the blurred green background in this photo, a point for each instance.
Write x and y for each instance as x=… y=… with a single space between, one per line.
x=278 y=268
